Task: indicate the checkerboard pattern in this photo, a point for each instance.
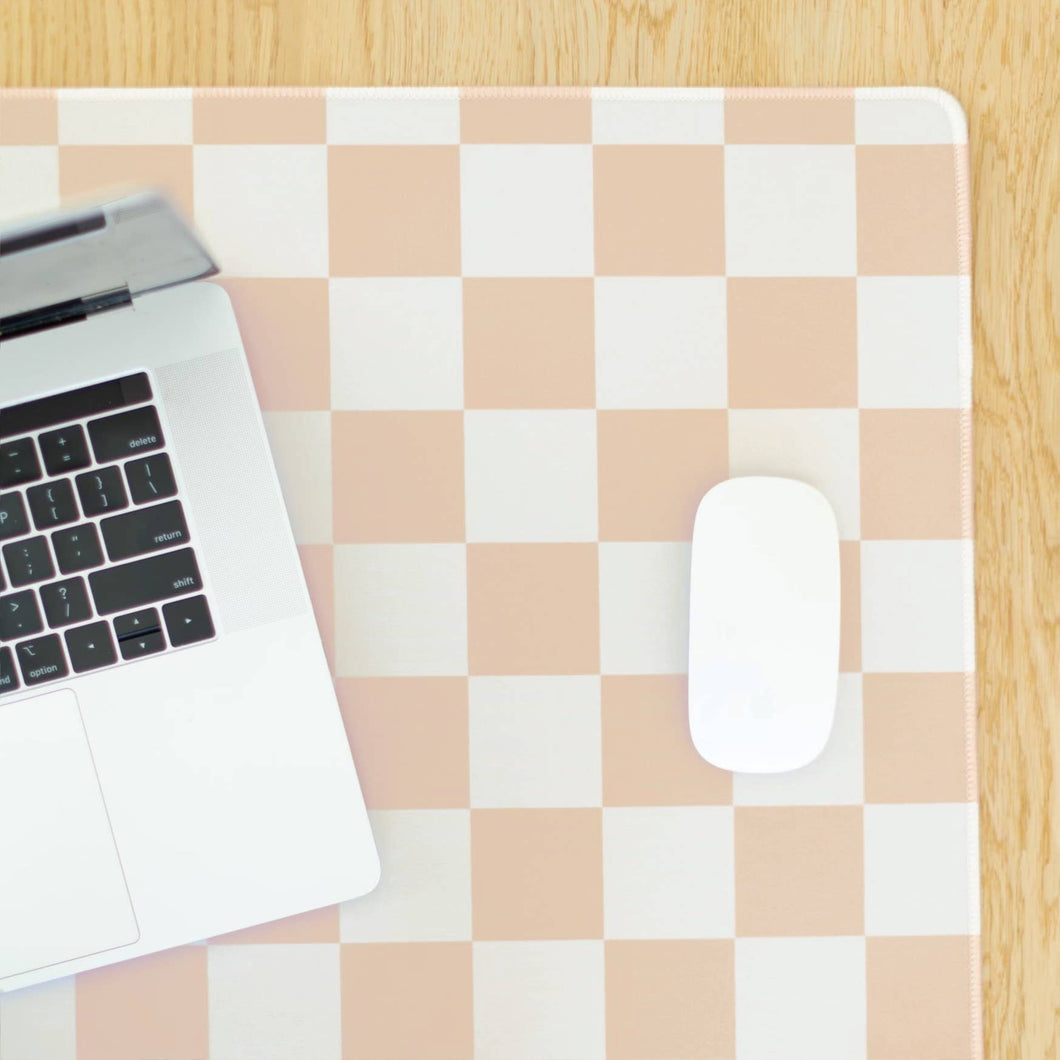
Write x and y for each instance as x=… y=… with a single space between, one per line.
x=504 y=342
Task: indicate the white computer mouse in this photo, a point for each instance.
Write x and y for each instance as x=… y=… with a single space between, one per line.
x=763 y=654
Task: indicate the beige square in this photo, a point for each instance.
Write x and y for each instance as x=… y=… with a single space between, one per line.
x=799 y=870
x=409 y=737
x=533 y=609
x=513 y=118
x=318 y=566
x=660 y=210
x=150 y=1007
x=849 y=606
x=648 y=757
x=284 y=324
x=916 y=738
x=654 y=467
x=262 y=119
x=793 y=342
x=29 y=119
x=411 y=1001
x=537 y=874
x=92 y=172
x=911 y=473
x=394 y=211
x=399 y=476
x=528 y=343
x=920 y=997
x=319 y=925
x=670 y=998
x=803 y=120
x=907 y=210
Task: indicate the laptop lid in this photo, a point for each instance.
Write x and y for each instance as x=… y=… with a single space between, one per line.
x=65 y=265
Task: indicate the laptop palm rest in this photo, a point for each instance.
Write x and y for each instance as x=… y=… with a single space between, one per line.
x=64 y=891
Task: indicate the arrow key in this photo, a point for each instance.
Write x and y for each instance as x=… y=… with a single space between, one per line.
x=90 y=647
x=137 y=624
x=188 y=621
x=137 y=647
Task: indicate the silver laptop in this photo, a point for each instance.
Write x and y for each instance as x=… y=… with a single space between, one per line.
x=173 y=763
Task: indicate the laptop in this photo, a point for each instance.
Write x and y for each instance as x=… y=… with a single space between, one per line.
x=173 y=763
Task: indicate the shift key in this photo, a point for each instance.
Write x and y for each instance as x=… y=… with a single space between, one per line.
x=145 y=581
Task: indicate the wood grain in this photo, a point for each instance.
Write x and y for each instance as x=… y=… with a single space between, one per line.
x=1001 y=58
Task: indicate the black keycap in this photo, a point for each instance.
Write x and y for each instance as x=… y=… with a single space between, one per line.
x=65 y=602
x=64 y=450
x=145 y=581
x=101 y=491
x=19 y=616
x=41 y=659
x=8 y=677
x=90 y=647
x=52 y=504
x=18 y=463
x=136 y=647
x=77 y=548
x=13 y=521
x=188 y=621
x=144 y=530
x=137 y=624
x=28 y=561
x=150 y=479
x=126 y=434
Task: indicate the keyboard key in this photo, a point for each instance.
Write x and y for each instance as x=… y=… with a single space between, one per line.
x=13 y=521
x=150 y=479
x=18 y=463
x=137 y=647
x=90 y=647
x=65 y=602
x=137 y=624
x=126 y=434
x=144 y=530
x=77 y=548
x=8 y=676
x=52 y=504
x=19 y=616
x=145 y=581
x=101 y=491
x=64 y=450
x=28 y=562
x=41 y=660
x=188 y=621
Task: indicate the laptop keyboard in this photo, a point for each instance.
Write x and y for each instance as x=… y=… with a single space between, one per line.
x=97 y=565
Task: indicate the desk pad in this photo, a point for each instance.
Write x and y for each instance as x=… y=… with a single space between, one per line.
x=504 y=341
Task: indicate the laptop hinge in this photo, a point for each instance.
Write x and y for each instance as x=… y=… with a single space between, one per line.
x=59 y=313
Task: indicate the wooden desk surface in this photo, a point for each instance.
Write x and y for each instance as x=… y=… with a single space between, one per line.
x=1001 y=58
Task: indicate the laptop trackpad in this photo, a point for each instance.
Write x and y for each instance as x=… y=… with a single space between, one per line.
x=62 y=892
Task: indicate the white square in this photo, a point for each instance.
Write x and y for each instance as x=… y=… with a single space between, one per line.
x=535 y=741
x=790 y=210
x=660 y=342
x=539 y=1000
x=669 y=872
x=800 y=999
x=530 y=475
x=917 y=612
x=301 y=449
x=264 y=209
x=922 y=869
x=88 y=116
x=644 y=607
x=39 y=1022
x=930 y=116
x=397 y=343
x=527 y=209
x=819 y=446
x=401 y=610
x=424 y=894
x=834 y=778
x=909 y=330
x=272 y=1002
x=658 y=121
x=29 y=181
x=374 y=117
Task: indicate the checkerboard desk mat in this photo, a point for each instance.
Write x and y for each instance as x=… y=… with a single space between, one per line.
x=504 y=341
